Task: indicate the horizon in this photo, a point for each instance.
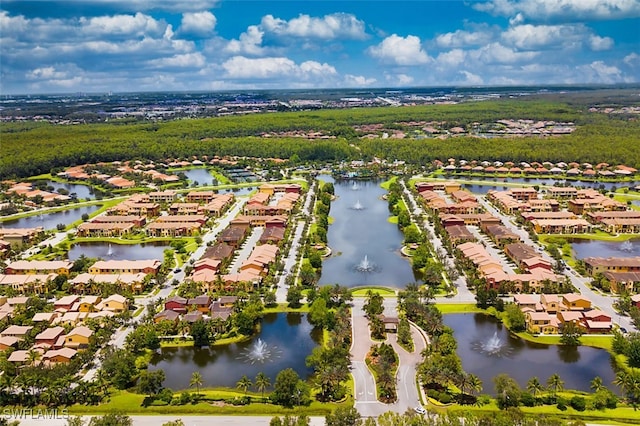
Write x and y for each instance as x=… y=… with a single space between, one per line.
x=138 y=46
x=541 y=88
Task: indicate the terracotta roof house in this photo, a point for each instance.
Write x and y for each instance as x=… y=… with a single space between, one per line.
x=166 y=315
x=193 y=316
x=38 y=267
x=125 y=266
x=57 y=356
x=19 y=331
x=115 y=303
x=593 y=265
x=78 y=338
x=49 y=336
x=219 y=311
x=541 y=322
x=201 y=303
x=66 y=302
x=576 y=302
x=176 y=303
x=8 y=342
x=623 y=281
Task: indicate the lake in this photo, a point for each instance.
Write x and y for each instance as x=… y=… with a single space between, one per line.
x=200 y=176
x=361 y=232
x=107 y=251
x=522 y=359
x=51 y=220
x=597 y=248
x=288 y=339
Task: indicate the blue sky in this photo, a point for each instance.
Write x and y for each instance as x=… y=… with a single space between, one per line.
x=204 y=45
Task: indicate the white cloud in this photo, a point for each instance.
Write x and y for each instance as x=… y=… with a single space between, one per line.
x=600 y=43
x=45 y=73
x=565 y=10
x=186 y=60
x=400 y=51
x=497 y=53
x=240 y=67
x=400 y=79
x=141 y=5
x=328 y=27
x=471 y=78
x=569 y=36
x=250 y=42
x=351 y=80
x=462 y=38
x=198 y=22
x=632 y=59
x=138 y=25
x=599 y=72
x=453 y=58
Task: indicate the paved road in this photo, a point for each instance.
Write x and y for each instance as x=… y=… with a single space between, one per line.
x=462 y=294
x=290 y=260
x=365 y=388
x=245 y=250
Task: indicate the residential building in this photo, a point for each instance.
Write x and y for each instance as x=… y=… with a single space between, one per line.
x=125 y=266
x=24 y=267
x=594 y=265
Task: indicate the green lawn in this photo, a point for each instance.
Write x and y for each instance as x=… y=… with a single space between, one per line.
x=131 y=403
x=458 y=308
x=383 y=291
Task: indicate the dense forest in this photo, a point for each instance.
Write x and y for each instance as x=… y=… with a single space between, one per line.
x=31 y=148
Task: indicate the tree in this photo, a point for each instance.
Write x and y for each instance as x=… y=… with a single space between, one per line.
x=150 y=382
x=343 y=416
x=596 y=384
x=571 y=334
x=289 y=390
x=373 y=305
x=262 y=382
x=244 y=384
x=201 y=333
x=119 y=366
x=319 y=314
x=294 y=295
x=534 y=386
x=475 y=384
x=111 y=419
x=508 y=391
x=515 y=317
x=404 y=333
x=196 y=380
x=269 y=298
x=555 y=383
x=177 y=422
x=633 y=349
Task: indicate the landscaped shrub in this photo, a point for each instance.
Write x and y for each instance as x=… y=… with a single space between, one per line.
x=527 y=399
x=561 y=404
x=578 y=403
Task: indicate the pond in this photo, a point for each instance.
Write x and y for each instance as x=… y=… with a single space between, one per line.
x=522 y=359
x=200 y=176
x=83 y=192
x=551 y=182
x=51 y=220
x=244 y=190
x=108 y=251
x=596 y=248
x=365 y=245
x=284 y=341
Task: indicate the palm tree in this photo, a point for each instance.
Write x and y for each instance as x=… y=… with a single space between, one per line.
x=534 y=386
x=33 y=356
x=244 y=384
x=555 y=383
x=196 y=380
x=630 y=384
x=475 y=384
x=262 y=382
x=597 y=384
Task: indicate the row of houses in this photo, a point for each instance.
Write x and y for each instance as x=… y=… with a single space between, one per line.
x=20 y=237
x=537 y=270
x=552 y=312
x=202 y=307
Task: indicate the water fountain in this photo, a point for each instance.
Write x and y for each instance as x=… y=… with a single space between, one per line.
x=110 y=250
x=357 y=206
x=366 y=265
x=355 y=186
x=493 y=346
x=259 y=352
x=626 y=246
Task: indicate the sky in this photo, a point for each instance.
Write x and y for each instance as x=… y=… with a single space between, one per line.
x=210 y=45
